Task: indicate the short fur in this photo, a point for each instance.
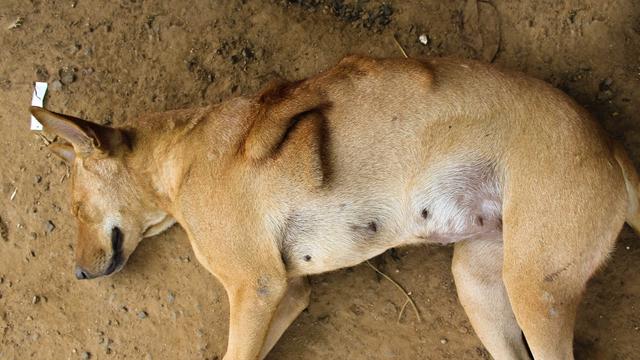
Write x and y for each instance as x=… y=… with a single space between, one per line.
x=323 y=173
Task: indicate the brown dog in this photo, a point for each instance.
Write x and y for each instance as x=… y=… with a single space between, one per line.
x=327 y=172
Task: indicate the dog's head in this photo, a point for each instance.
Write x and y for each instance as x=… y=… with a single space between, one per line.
x=107 y=200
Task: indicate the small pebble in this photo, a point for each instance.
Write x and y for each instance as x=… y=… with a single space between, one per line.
x=142 y=314
x=4 y=230
x=42 y=74
x=56 y=85
x=67 y=75
x=171 y=297
x=86 y=355
x=74 y=48
x=50 y=226
x=605 y=84
x=357 y=310
x=628 y=247
x=247 y=53
x=443 y=341
x=424 y=39
x=36 y=299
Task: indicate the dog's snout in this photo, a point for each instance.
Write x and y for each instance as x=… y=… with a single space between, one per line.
x=81 y=274
x=110 y=261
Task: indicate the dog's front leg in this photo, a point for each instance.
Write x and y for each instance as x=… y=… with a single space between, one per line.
x=294 y=301
x=252 y=305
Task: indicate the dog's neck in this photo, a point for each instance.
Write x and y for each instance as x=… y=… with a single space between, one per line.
x=165 y=149
x=159 y=170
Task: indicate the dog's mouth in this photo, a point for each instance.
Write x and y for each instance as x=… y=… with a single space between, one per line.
x=117 y=260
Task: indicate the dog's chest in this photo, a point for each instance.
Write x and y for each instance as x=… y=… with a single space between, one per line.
x=449 y=204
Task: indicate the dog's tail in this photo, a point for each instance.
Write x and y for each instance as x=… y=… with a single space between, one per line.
x=632 y=183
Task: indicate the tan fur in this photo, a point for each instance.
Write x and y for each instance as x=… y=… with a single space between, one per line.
x=323 y=173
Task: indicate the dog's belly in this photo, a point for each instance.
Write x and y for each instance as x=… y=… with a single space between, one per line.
x=453 y=203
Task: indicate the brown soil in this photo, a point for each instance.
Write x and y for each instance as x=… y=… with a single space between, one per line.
x=113 y=60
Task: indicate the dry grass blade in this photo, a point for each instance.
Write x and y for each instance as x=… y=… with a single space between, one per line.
x=406 y=294
x=404 y=53
x=404 y=306
x=44 y=139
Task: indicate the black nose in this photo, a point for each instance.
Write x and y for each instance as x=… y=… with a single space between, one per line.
x=81 y=274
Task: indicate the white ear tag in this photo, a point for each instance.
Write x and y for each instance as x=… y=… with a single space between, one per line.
x=37 y=100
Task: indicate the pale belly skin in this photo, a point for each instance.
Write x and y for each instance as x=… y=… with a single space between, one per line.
x=457 y=202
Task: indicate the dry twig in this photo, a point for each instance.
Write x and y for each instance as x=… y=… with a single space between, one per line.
x=406 y=294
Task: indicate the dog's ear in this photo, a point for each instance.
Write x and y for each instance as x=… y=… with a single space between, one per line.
x=86 y=138
x=279 y=105
x=64 y=151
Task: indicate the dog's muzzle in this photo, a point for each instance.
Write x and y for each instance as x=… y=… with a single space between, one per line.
x=117 y=259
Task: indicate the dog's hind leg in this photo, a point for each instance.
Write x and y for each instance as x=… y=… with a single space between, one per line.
x=477 y=269
x=294 y=301
x=545 y=284
x=545 y=297
x=556 y=234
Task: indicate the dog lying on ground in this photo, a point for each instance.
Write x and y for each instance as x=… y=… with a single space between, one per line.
x=324 y=173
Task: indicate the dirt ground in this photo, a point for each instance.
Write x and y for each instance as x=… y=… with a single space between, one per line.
x=108 y=61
